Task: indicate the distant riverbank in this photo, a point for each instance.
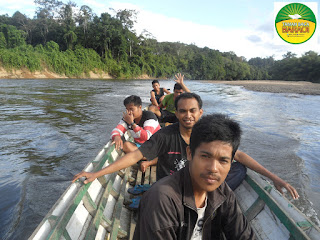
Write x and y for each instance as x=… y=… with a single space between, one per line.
x=273 y=86
x=46 y=74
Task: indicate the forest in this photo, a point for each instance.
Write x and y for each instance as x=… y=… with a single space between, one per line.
x=72 y=40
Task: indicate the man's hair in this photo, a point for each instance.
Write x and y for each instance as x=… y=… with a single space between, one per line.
x=155 y=81
x=177 y=86
x=132 y=99
x=188 y=95
x=215 y=127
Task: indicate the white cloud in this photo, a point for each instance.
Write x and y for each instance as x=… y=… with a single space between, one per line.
x=26 y=7
x=97 y=6
x=240 y=41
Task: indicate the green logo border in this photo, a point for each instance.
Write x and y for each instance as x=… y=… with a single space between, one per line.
x=291 y=7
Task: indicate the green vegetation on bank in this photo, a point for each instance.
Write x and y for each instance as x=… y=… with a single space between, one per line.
x=71 y=40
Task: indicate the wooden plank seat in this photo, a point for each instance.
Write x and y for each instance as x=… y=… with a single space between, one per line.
x=149 y=177
x=116 y=221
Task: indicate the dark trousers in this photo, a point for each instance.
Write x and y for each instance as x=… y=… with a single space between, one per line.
x=167 y=116
x=236 y=175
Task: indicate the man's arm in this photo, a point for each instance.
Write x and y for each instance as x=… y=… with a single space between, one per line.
x=153 y=98
x=117 y=132
x=161 y=105
x=179 y=79
x=257 y=167
x=166 y=91
x=149 y=127
x=126 y=161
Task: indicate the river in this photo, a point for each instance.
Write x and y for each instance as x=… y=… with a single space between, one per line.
x=50 y=129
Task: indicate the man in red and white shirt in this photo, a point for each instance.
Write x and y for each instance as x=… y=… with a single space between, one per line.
x=141 y=124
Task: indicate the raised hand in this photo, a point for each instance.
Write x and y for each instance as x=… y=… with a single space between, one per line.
x=179 y=78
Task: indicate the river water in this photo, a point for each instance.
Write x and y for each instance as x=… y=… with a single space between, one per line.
x=50 y=129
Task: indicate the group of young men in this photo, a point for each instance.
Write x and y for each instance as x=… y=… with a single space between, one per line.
x=196 y=171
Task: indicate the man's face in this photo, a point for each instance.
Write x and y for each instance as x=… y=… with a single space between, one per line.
x=188 y=112
x=136 y=111
x=176 y=93
x=210 y=165
x=156 y=86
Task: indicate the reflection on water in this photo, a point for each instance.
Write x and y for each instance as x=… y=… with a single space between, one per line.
x=50 y=129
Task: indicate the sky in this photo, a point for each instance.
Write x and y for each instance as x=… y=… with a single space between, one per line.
x=245 y=27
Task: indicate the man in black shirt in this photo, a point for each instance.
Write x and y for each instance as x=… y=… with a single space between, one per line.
x=170 y=158
x=170 y=148
x=195 y=202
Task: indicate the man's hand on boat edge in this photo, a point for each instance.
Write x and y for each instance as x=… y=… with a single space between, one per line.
x=118 y=142
x=88 y=175
x=279 y=184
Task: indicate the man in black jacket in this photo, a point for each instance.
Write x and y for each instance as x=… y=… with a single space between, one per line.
x=195 y=202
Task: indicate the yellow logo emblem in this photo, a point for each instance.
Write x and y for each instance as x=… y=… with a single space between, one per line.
x=295 y=23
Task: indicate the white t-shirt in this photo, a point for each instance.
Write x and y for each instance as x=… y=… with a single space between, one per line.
x=197 y=231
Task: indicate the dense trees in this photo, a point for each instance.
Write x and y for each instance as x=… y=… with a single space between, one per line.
x=72 y=40
x=305 y=68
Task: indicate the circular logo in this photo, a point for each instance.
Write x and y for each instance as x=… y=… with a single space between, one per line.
x=295 y=23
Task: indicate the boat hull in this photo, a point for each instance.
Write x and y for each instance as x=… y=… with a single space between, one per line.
x=98 y=210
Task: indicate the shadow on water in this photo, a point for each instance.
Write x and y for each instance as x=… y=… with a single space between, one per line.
x=10 y=196
x=279 y=132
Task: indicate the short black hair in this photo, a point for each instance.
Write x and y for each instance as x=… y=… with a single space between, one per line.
x=155 y=81
x=132 y=99
x=188 y=95
x=177 y=86
x=215 y=127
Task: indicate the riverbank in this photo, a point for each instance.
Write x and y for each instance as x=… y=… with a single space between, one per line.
x=45 y=74
x=306 y=88
x=27 y=74
x=273 y=86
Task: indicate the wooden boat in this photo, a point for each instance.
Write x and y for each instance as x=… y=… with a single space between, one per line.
x=98 y=210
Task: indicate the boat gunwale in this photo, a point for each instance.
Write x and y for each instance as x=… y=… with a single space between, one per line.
x=58 y=223
x=295 y=231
